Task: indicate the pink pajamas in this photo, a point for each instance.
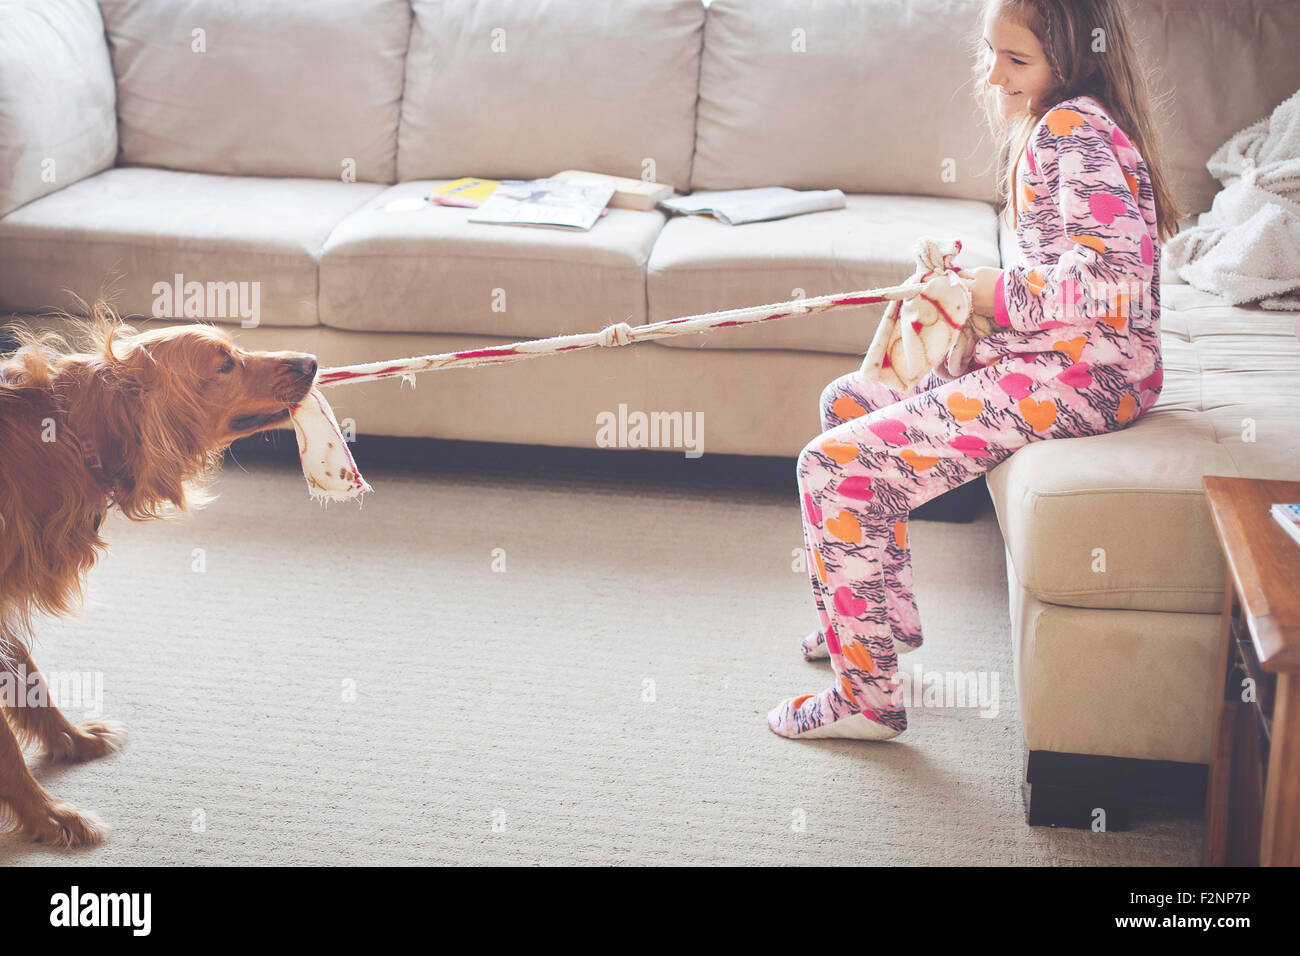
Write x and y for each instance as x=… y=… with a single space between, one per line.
x=1078 y=355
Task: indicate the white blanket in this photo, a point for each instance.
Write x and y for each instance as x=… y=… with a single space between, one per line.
x=1247 y=246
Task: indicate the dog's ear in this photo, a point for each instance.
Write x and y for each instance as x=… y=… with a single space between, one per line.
x=158 y=428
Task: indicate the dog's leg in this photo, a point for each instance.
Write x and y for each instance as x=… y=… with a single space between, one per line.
x=27 y=804
x=62 y=739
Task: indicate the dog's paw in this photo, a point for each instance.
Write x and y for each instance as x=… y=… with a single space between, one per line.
x=88 y=740
x=63 y=825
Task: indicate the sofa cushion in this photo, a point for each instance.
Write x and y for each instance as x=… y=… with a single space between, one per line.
x=1200 y=106
x=129 y=229
x=702 y=265
x=520 y=89
x=812 y=97
x=1113 y=682
x=1120 y=520
x=291 y=88
x=431 y=270
x=57 y=123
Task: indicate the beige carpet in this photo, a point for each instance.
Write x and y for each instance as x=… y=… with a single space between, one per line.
x=602 y=701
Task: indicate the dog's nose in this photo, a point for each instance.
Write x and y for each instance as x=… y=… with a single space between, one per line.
x=307 y=366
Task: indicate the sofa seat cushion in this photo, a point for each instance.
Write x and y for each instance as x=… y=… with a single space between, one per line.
x=702 y=265
x=431 y=270
x=1120 y=520
x=126 y=230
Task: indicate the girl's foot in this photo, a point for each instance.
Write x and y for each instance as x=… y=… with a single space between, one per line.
x=814 y=647
x=827 y=715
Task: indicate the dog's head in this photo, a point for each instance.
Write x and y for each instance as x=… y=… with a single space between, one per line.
x=202 y=384
x=168 y=401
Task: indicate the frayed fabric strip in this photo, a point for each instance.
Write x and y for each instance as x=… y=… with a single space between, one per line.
x=327 y=462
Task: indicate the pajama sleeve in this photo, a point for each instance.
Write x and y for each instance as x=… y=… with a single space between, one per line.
x=1110 y=254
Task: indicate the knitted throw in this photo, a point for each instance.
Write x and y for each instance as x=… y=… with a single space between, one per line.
x=927 y=325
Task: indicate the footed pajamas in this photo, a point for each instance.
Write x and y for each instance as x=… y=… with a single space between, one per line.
x=1076 y=353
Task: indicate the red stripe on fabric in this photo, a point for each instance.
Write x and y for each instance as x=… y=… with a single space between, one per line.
x=476 y=353
x=942 y=311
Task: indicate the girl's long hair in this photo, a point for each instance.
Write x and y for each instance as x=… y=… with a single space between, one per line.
x=1083 y=62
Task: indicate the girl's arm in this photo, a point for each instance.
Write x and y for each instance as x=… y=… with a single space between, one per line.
x=1111 y=253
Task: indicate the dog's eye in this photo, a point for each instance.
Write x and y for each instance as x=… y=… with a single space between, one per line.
x=227 y=366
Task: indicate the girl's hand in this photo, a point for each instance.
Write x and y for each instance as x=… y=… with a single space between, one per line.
x=983 y=288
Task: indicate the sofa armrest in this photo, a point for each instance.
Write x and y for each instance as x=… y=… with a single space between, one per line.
x=58 y=104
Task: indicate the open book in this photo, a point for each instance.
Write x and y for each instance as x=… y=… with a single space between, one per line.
x=544 y=202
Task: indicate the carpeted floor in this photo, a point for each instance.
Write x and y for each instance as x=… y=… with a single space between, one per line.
x=343 y=685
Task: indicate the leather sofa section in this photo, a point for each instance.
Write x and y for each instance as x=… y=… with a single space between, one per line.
x=701 y=265
x=57 y=118
x=868 y=97
x=1117 y=683
x=1223 y=65
x=120 y=233
x=520 y=89
x=431 y=270
x=1227 y=407
x=246 y=87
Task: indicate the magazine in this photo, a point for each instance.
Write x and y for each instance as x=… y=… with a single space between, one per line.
x=467 y=192
x=737 y=206
x=544 y=202
x=1288 y=516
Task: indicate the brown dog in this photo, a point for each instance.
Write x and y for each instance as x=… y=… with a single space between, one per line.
x=140 y=422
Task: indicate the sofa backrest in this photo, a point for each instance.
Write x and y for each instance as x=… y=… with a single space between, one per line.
x=869 y=96
x=1226 y=64
x=57 y=123
x=525 y=88
x=260 y=87
x=874 y=96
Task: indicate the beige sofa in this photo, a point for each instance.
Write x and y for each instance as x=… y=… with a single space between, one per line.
x=260 y=142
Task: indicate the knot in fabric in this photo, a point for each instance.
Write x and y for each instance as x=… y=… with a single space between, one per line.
x=617 y=334
x=936 y=255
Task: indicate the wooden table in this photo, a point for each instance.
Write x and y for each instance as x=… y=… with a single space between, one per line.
x=1252 y=809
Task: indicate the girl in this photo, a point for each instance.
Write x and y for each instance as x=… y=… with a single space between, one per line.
x=1077 y=352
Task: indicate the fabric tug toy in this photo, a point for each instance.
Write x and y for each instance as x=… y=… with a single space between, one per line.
x=934 y=330
x=928 y=326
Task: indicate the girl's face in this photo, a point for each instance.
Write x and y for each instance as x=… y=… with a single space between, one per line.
x=1016 y=65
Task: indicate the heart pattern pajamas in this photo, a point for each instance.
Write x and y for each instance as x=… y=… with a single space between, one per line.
x=1077 y=353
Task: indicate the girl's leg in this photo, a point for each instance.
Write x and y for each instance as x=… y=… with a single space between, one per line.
x=848 y=397
x=860 y=477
